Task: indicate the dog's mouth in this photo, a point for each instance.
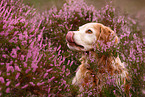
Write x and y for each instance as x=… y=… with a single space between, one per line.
x=71 y=42
x=75 y=44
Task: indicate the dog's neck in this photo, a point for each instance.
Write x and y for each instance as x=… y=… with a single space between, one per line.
x=97 y=58
x=93 y=54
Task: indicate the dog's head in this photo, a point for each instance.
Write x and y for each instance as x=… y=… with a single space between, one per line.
x=88 y=35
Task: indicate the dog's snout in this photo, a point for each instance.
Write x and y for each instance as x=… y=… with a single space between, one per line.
x=69 y=36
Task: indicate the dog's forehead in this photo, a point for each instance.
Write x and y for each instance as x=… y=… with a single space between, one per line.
x=88 y=26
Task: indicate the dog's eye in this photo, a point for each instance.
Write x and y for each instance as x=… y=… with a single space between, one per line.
x=89 y=31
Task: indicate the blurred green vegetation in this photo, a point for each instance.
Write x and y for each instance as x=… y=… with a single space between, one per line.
x=42 y=5
x=133 y=7
x=130 y=6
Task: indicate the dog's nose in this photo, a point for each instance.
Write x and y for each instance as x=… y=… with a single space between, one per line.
x=69 y=36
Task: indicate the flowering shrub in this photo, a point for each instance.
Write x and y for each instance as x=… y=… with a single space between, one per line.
x=26 y=66
x=130 y=45
x=34 y=57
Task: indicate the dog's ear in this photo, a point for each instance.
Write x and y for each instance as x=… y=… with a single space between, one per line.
x=107 y=35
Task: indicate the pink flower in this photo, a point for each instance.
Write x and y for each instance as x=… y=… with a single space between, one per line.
x=114 y=91
x=20 y=36
x=34 y=66
x=48 y=91
x=71 y=63
x=25 y=86
x=14 y=53
x=25 y=64
x=17 y=84
x=2 y=80
x=22 y=57
x=27 y=70
x=10 y=68
x=17 y=68
x=8 y=90
x=49 y=70
x=32 y=83
x=17 y=76
x=8 y=83
x=39 y=84
x=63 y=68
x=4 y=55
x=2 y=63
x=49 y=80
x=8 y=74
x=45 y=75
x=27 y=12
x=68 y=62
x=143 y=41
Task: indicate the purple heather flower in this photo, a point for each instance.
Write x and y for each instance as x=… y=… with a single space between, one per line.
x=49 y=80
x=45 y=75
x=8 y=90
x=49 y=70
x=48 y=90
x=17 y=68
x=25 y=86
x=8 y=83
x=39 y=84
x=2 y=80
x=10 y=68
x=14 y=53
x=2 y=63
x=17 y=76
x=20 y=36
x=143 y=41
x=63 y=68
x=27 y=12
x=25 y=64
x=4 y=55
x=68 y=62
x=32 y=83
x=114 y=91
x=34 y=66
x=27 y=70
x=22 y=57
x=71 y=63
x=8 y=74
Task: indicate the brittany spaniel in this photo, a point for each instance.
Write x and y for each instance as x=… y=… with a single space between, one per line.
x=108 y=68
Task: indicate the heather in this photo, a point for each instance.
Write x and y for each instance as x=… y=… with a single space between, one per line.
x=34 y=57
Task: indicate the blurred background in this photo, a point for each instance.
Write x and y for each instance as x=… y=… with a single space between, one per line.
x=136 y=8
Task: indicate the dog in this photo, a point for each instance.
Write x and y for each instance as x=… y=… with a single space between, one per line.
x=88 y=38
